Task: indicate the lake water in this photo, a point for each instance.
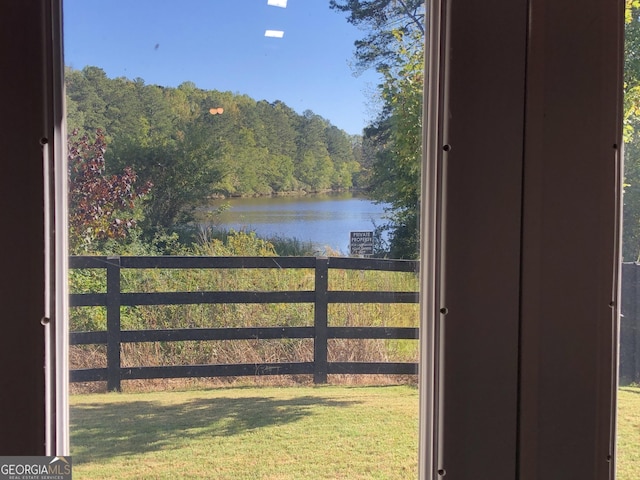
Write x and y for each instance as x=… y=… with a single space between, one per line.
x=324 y=219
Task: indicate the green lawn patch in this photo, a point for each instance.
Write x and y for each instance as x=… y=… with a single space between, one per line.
x=628 y=455
x=324 y=432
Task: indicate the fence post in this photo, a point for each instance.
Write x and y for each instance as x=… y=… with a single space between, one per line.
x=320 y=321
x=636 y=322
x=113 y=324
x=628 y=320
x=626 y=370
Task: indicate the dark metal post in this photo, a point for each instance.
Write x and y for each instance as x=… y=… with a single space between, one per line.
x=635 y=323
x=113 y=324
x=320 y=321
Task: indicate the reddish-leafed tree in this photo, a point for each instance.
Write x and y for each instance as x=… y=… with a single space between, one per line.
x=101 y=206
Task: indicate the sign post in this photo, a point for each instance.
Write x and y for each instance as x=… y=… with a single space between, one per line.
x=361 y=243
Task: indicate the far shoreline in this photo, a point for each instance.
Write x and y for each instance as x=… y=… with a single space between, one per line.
x=294 y=193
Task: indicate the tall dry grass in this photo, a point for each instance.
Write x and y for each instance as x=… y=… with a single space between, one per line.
x=242 y=315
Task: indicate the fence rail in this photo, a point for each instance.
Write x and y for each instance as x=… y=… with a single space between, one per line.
x=320 y=332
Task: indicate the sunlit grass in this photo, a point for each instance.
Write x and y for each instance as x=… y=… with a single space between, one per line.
x=248 y=433
x=271 y=433
x=628 y=453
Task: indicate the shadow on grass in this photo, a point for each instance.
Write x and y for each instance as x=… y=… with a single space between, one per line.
x=101 y=431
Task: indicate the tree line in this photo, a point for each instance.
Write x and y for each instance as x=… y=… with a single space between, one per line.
x=394 y=47
x=192 y=144
x=631 y=194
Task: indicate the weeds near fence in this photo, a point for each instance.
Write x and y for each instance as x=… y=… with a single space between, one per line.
x=242 y=315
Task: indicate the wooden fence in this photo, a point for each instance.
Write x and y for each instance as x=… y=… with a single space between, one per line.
x=629 y=366
x=320 y=332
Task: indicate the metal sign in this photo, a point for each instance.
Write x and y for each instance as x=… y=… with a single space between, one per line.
x=361 y=243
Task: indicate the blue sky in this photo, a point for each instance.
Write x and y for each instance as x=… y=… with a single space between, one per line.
x=221 y=45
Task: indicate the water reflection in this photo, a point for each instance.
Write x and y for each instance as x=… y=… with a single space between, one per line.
x=323 y=219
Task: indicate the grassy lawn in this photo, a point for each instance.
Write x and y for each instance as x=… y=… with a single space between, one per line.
x=322 y=432
x=628 y=458
x=271 y=433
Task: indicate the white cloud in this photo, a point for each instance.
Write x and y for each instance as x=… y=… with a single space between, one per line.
x=274 y=33
x=277 y=3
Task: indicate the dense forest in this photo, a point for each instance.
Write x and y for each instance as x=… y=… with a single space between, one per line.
x=192 y=144
x=631 y=197
x=185 y=145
